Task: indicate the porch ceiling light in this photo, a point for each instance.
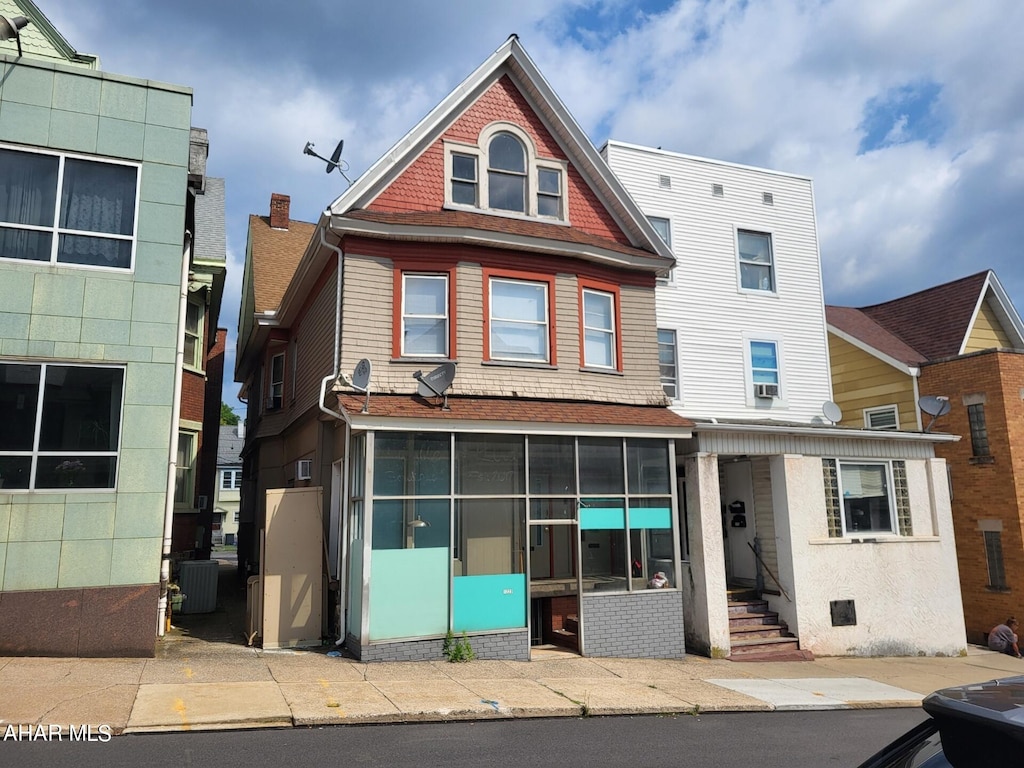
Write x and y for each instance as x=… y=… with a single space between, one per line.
x=10 y=29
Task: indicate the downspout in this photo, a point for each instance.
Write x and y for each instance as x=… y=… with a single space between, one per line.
x=338 y=525
x=172 y=459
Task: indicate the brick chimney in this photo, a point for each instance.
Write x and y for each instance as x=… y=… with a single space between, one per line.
x=279 y=210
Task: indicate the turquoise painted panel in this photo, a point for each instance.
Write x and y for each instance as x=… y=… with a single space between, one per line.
x=166 y=145
x=50 y=328
x=161 y=223
x=3 y=561
x=32 y=565
x=409 y=593
x=107 y=298
x=84 y=564
x=170 y=109
x=158 y=262
x=61 y=295
x=495 y=601
x=650 y=517
x=355 y=590
x=602 y=518
x=135 y=561
x=105 y=331
x=15 y=325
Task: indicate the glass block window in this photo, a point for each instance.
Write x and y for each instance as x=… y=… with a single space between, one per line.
x=899 y=483
x=833 y=509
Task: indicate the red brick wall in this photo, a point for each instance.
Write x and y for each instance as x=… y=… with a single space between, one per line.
x=984 y=490
x=421 y=186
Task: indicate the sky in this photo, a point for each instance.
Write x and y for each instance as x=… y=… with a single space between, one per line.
x=907 y=114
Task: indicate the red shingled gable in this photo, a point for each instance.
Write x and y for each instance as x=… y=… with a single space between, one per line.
x=500 y=409
x=421 y=186
x=934 y=321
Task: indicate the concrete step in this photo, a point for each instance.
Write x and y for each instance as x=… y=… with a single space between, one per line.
x=739 y=634
x=751 y=619
x=765 y=646
x=748 y=606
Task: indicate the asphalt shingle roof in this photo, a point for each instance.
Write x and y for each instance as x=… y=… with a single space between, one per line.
x=275 y=256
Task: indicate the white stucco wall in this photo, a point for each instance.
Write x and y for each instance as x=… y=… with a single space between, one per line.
x=906 y=589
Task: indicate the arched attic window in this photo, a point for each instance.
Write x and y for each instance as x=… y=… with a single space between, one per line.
x=502 y=174
x=506 y=173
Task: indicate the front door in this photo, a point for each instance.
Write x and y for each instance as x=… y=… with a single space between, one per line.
x=554 y=585
x=738 y=524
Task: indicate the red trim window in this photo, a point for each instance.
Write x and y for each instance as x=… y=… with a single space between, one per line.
x=600 y=326
x=424 y=314
x=519 y=315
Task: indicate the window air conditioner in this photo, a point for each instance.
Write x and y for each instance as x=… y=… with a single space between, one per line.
x=304 y=469
x=766 y=390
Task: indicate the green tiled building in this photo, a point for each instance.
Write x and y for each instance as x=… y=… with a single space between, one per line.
x=94 y=183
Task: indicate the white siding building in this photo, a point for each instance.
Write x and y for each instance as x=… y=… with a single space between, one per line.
x=771 y=487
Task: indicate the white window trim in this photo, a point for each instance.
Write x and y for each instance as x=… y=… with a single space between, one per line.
x=446 y=352
x=533 y=163
x=490 y=320
x=199 y=356
x=755 y=230
x=270 y=404
x=675 y=351
x=236 y=479
x=56 y=230
x=37 y=454
x=193 y=430
x=868 y=412
x=890 y=491
x=671 y=279
x=611 y=333
x=748 y=370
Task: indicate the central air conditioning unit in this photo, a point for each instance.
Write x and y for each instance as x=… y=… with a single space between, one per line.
x=766 y=391
x=304 y=469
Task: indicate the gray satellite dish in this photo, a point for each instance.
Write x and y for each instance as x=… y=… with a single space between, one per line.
x=935 y=406
x=334 y=162
x=361 y=381
x=436 y=383
x=832 y=412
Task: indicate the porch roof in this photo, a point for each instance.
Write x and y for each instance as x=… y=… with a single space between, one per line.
x=513 y=412
x=818 y=430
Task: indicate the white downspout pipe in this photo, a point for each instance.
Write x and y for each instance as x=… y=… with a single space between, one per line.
x=172 y=458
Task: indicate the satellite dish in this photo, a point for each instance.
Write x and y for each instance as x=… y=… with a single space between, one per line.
x=361 y=381
x=832 y=412
x=935 y=406
x=334 y=162
x=361 y=375
x=436 y=383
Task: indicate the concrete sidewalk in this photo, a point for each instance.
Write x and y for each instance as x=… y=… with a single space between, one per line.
x=204 y=677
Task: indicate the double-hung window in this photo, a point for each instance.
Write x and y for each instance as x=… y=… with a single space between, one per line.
x=424 y=315
x=757 y=268
x=519 y=321
x=185 y=468
x=506 y=173
x=599 y=320
x=764 y=368
x=275 y=396
x=866 y=497
x=62 y=426
x=67 y=210
x=194 y=334
x=667 y=365
x=464 y=181
x=230 y=479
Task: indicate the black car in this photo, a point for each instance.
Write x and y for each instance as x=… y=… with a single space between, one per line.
x=970 y=726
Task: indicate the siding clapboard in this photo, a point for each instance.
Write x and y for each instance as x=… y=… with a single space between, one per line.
x=860 y=381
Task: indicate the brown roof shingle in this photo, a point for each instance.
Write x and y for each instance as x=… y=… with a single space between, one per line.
x=933 y=321
x=499 y=224
x=860 y=326
x=502 y=409
x=275 y=256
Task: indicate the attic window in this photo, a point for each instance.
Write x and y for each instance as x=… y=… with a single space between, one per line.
x=767 y=198
x=665 y=182
x=717 y=190
x=502 y=174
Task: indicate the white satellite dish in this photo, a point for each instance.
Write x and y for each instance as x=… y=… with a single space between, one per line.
x=832 y=412
x=436 y=383
x=361 y=381
x=935 y=406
